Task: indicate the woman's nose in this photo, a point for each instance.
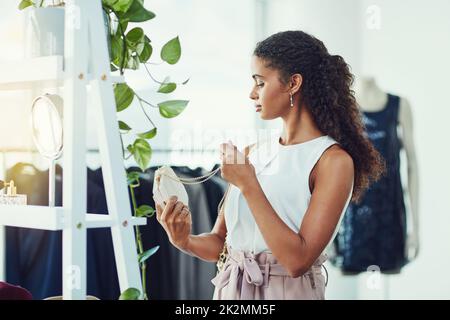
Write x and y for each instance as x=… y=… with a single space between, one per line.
x=253 y=95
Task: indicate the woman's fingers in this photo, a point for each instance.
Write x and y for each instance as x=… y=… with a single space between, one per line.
x=176 y=212
x=169 y=208
x=183 y=216
x=158 y=212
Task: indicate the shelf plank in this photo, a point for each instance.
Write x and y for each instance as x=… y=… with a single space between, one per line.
x=25 y=73
x=43 y=71
x=52 y=218
x=34 y=217
x=104 y=221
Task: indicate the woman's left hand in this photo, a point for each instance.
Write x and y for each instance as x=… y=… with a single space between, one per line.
x=236 y=168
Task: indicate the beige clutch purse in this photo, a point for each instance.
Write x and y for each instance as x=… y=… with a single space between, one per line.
x=166 y=184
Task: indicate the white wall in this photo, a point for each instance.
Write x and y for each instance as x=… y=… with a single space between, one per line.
x=408 y=55
x=333 y=22
x=217 y=41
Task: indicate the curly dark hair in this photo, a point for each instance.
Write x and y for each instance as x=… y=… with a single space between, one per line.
x=326 y=92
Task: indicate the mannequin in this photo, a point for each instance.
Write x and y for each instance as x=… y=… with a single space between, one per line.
x=371 y=98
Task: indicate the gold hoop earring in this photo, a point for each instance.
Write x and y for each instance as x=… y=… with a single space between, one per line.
x=290 y=97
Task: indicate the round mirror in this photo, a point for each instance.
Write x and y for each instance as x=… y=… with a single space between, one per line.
x=47 y=126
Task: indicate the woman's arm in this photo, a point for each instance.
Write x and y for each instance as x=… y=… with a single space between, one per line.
x=332 y=185
x=207 y=246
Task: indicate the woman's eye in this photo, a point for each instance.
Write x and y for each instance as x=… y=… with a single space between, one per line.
x=260 y=84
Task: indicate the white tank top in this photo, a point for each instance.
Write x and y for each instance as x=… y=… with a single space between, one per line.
x=283 y=173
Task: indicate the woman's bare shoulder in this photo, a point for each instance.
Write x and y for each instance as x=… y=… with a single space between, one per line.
x=335 y=160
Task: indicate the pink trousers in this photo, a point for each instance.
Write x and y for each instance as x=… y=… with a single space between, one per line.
x=247 y=276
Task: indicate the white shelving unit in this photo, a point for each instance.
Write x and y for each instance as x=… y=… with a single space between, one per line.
x=45 y=71
x=85 y=44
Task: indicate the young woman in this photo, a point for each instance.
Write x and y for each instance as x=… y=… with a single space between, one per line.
x=288 y=195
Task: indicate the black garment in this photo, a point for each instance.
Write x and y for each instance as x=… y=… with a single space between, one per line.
x=171 y=274
x=175 y=274
x=34 y=257
x=373 y=233
x=161 y=270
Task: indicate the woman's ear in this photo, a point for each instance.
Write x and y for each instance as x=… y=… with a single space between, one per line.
x=295 y=83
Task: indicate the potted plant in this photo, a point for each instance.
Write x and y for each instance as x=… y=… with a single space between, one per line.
x=44 y=28
x=131 y=48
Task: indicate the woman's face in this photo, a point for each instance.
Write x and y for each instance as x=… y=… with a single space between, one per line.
x=268 y=92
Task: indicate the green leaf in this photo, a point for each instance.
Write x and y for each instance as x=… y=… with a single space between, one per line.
x=142 y=153
x=130 y=294
x=146 y=52
x=172 y=108
x=123 y=126
x=109 y=3
x=171 y=51
x=117 y=49
x=145 y=211
x=122 y=5
x=130 y=148
x=147 y=254
x=167 y=86
x=123 y=26
x=25 y=3
x=186 y=81
x=135 y=42
x=124 y=96
x=133 y=177
x=133 y=62
x=137 y=13
x=147 y=135
x=135 y=35
x=139 y=48
x=118 y=5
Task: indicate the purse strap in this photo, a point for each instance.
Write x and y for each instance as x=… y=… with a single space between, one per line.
x=205 y=177
x=195 y=180
x=224 y=253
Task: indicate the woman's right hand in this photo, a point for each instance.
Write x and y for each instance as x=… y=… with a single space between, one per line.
x=176 y=220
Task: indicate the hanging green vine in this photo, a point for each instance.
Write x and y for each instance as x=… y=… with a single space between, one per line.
x=131 y=49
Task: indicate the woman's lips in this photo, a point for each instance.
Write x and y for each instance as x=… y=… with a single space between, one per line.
x=258 y=108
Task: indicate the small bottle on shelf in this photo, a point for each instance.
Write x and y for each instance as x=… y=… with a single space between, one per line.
x=11 y=196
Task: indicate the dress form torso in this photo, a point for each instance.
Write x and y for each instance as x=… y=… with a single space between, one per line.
x=372 y=98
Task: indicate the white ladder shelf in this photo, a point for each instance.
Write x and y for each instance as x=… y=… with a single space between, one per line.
x=85 y=42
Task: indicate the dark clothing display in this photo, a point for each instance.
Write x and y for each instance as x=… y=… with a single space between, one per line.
x=373 y=233
x=34 y=257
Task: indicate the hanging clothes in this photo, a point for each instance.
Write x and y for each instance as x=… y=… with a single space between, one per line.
x=170 y=273
x=373 y=233
x=194 y=273
x=161 y=282
x=34 y=257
